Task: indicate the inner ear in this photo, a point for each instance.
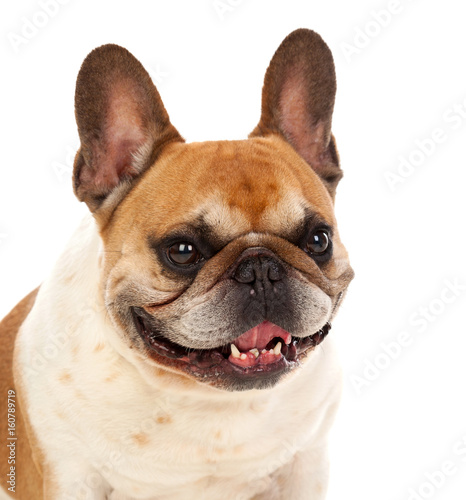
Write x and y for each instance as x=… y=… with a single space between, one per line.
x=297 y=102
x=122 y=124
x=296 y=122
x=115 y=151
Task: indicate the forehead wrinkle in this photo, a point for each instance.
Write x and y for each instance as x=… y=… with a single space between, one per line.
x=224 y=220
x=288 y=213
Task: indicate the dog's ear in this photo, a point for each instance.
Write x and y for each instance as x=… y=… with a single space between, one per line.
x=122 y=124
x=297 y=102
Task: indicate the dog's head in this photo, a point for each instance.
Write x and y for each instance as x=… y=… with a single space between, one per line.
x=222 y=260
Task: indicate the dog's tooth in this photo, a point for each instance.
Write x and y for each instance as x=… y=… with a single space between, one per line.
x=263 y=351
x=243 y=356
x=234 y=351
x=277 y=348
x=255 y=351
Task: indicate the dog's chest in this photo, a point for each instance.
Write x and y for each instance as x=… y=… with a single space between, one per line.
x=172 y=446
x=137 y=441
x=148 y=443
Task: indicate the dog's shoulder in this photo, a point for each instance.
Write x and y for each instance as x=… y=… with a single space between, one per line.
x=28 y=479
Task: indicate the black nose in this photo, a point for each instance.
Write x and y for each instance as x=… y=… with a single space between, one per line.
x=259 y=269
x=262 y=288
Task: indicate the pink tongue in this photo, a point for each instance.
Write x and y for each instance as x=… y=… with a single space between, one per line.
x=260 y=336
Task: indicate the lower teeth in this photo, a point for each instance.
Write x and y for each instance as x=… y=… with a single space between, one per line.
x=236 y=354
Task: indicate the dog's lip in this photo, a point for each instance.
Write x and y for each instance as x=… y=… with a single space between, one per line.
x=201 y=361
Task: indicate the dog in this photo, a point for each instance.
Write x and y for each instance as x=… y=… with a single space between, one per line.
x=178 y=349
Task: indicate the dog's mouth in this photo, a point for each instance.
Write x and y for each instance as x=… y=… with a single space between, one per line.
x=263 y=352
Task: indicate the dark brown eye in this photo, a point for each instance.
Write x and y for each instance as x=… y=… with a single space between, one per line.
x=318 y=243
x=183 y=254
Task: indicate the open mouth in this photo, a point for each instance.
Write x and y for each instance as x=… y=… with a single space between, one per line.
x=263 y=350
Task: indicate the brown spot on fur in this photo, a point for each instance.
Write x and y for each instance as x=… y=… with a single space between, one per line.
x=112 y=377
x=99 y=347
x=60 y=414
x=65 y=377
x=173 y=378
x=164 y=419
x=280 y=481
x=69 y=278
x=140 y=439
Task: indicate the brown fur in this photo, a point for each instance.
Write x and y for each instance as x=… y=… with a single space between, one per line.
x=28 y=478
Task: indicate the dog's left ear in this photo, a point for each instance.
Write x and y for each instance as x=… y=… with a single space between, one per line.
x=122 y=124
x=297 y=102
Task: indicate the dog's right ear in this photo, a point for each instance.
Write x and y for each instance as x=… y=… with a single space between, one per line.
x=297 y=102
x=122 y=125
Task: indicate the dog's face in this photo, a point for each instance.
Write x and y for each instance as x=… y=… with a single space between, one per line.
x=222 y=260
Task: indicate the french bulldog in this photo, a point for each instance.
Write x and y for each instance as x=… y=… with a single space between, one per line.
x=179 y=348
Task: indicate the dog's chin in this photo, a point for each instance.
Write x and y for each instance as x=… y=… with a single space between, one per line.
x=257 y=359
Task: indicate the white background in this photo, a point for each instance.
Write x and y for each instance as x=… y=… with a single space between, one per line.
x=405 y=416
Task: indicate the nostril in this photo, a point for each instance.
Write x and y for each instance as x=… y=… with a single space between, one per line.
x=274 y=269
x=245 y=272
x=259 y=268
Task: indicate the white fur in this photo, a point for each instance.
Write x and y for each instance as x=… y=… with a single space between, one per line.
x=136 y=436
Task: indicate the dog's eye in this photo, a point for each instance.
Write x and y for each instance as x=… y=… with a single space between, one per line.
x=183 y=254
x=318 y=243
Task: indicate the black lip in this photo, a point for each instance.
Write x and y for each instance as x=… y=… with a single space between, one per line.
x=212 y=365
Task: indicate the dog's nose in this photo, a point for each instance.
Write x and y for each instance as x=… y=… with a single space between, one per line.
x=259 y=268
